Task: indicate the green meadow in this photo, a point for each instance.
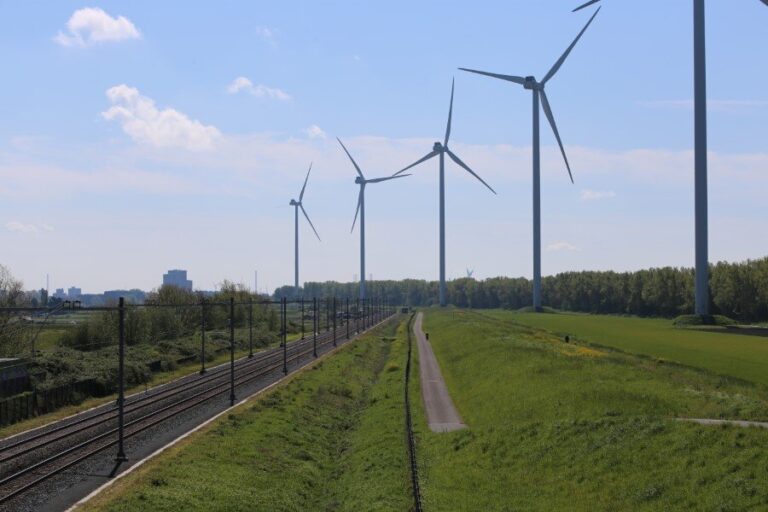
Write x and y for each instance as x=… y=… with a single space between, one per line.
x=736 y=355
x=556 y=426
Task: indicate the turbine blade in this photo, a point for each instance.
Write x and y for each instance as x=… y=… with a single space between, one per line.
x=466 y=168
x=564 y=56
x=551 y=118
x=359 y=202
x=379 y=180
x=509 y=78
x=417 y=162
x=301 y=195
x=350 y=157
x=765 y=2
x=595 y=1
x=310 y=222
x=450 y=114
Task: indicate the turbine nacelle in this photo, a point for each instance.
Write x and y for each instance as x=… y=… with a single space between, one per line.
x=359 y=180
x=531 y=84
x=294 y=203
x=438 y=146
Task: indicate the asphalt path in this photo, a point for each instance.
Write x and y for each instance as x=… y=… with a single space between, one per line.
x=442 y=415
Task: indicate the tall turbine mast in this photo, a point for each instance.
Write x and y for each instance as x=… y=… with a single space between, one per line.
x=297 y=205
x=539 y=97
x=441 y=149
x=700 y=154
x=362 y=181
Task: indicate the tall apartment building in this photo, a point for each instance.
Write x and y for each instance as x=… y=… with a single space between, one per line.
x=177 y=278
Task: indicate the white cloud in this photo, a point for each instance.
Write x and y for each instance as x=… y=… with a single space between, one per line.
x=146 y=124
x=243 y=84
x=268 y=34
x=20 y=227
x=594 y=195
x=562 y=246
x=92 y=25
x=315 y=132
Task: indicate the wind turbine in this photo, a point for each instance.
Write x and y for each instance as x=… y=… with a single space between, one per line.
x=440 y=149
x=362 y=181
x=700 y=154
x=296 y=206
x=537 y=88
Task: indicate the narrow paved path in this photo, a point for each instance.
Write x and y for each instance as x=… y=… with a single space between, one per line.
x=738 y=423
x=442 y=415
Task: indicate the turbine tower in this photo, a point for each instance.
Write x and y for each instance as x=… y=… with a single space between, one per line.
x=362 y=181
x=441 y=149
x=700 y=154
x=296 y=206
x=537 y=88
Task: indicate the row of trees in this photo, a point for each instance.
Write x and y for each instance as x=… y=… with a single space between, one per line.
x=170 y=313
x=737 y=290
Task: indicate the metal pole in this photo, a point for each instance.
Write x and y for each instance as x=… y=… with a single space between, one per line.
x=700 y=157
x=250 y=328
x=232 y=351
x=357 y=316
x=327 y=315
x=347 y=317
x=334 y=321
x=121 y=383
x=296 y=249
x=283 y=311
x=442 y=229
x=302 y=317
x=362 y=242
x=202 y=336
x=314 y=327
x=536 y=206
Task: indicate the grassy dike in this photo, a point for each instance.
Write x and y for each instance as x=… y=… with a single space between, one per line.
x=555 y=426
x=329 y=439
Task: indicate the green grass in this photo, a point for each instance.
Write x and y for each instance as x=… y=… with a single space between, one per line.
x=744 y=357
x=331 y=439
x=555 y=426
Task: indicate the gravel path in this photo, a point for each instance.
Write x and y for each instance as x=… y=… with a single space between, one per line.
x=442 y=415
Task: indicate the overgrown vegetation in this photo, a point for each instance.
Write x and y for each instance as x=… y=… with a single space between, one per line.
x=564 y=426
x=331 y=439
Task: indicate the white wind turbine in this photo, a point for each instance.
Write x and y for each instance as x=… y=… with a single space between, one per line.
x=700 y=154
x=537 y=88
x=296 y=206
x=361 y=180
x=441 y=149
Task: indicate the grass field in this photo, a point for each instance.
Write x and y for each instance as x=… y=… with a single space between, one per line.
x=555 y=426
x=330 y=440
x=740 y=356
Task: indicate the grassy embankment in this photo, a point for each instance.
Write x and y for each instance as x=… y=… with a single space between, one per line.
x=555 y=426
x=330 y=439
x=736 y=355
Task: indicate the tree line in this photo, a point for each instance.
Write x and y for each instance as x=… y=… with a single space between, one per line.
x=737 y=290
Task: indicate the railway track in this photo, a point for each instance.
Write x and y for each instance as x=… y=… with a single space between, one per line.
x=30 y=459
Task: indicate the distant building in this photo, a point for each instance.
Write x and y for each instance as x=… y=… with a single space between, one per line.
x=177 y=278
x=74 y=293
x=59 y=294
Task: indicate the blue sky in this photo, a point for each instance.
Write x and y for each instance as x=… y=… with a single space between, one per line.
x=127 y=147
